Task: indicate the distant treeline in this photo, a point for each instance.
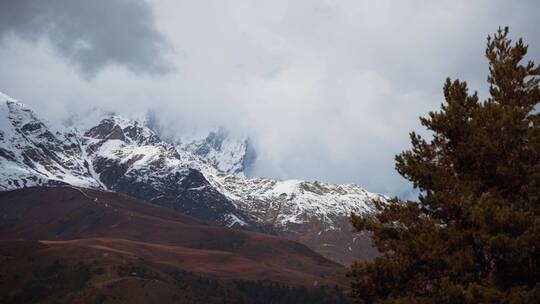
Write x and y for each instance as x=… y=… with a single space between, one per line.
x=205 y=290
x=65 y=283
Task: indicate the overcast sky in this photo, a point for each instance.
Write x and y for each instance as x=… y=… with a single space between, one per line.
x=326 y=90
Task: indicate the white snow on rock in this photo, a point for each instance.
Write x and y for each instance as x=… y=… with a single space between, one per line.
x=232 y=220
x=282 y=203
x=31 y=154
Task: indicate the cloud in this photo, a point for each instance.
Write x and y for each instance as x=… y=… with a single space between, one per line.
x=327 y=90
x=91 y=34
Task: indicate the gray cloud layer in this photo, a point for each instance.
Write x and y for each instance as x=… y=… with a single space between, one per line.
x=91 y=34
x=327 y=90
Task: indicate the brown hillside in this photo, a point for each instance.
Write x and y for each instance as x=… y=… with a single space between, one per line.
x=71 y=223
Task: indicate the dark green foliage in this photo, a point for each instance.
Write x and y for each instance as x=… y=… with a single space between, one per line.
x=67 y=283
x=474 y=234
x=196 y=289
x=56 y=280
x=261 y=292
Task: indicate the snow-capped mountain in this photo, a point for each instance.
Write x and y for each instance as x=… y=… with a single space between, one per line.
x=117 y=154
x=128 y=157
x=202 y=177
x=228 y=154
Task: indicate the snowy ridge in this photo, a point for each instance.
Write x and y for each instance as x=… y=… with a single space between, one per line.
x=31 y=154
x=282 y=203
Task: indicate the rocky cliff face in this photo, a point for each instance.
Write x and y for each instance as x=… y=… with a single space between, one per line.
x=201 y=177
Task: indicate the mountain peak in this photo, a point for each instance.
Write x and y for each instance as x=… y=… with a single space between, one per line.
x=127 y=130
x=229 y=154
x=12 y=109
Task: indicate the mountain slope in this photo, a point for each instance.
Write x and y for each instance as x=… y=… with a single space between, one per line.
x=313 y=213
x=132 y=244
x=67 y=213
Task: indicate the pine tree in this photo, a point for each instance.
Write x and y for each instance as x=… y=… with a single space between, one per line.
x=473 y=236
